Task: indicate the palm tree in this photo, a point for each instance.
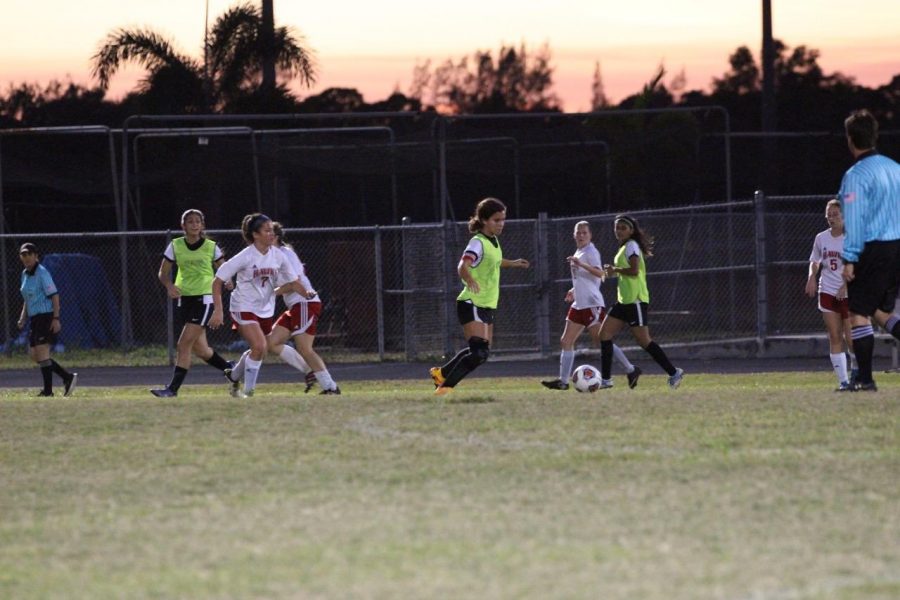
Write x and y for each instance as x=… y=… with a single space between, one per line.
x=235 y=50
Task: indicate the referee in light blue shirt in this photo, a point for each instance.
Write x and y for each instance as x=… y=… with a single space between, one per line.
x=41 y=311
x=870 y=198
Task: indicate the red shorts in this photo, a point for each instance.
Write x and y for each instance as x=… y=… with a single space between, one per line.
x=245 y=318
x=828 y=303
x=586 y=316
x=301 y=318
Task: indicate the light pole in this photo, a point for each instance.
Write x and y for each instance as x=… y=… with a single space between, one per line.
x=206 y=83
x=769 y=125
x=267 y=37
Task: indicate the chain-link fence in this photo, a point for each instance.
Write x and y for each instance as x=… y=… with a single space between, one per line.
x=720 y=273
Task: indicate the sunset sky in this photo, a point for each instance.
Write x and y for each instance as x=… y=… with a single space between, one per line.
x=373 y=46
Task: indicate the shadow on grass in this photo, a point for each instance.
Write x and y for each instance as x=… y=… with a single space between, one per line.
x=469 y=400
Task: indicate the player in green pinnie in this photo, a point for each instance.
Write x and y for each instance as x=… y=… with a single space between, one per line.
x=196 y=257
x=479 y=269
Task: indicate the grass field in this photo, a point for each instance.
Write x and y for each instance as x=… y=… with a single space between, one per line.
x=744 y=487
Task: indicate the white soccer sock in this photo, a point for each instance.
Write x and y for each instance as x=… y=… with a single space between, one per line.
x=293 y=358
x=839 y=363
x=325 y=380
x=251 y=372
x=566 y=360
x=853 y=364
x=237 y=373
x=622 y=359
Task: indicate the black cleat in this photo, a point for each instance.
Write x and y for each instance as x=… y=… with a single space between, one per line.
x=845 y=386
x=310 y=381
x=555 y=384
x=44 y=394
x=633 y=377
x=336 y=392
x=865 y=387
x=164 y=393
x=70 y=384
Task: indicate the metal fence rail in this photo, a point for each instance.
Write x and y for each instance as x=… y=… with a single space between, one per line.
x=720 y=273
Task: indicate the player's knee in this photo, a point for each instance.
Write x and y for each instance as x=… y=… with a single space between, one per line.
x=479 y=350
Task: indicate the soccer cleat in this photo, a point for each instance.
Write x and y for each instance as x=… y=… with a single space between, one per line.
x=864 y=387
x=44 y=394
x=605 y=384
x=845 y=386
x=633 y=377
x=442 y=390
x=164 y=393
x=675 y=380
x=70 y=384
x=310 y=381
x=555 y=384
x=335 y=392
x=437 y=377
x=235 y=389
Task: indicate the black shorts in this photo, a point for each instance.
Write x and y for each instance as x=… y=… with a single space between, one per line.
x=876 y=278
x=195 y=310
x=40 y=332
x=468 y=312
x=635 y=314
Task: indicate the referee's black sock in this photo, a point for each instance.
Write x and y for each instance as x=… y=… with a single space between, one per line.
x=57 y=368
x=47 y=374
x=606 y=356
x=218 y=362
x=893 y=326
x=864 y=347
x=177 y=378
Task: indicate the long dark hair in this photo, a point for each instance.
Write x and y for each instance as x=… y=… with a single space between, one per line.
x=644 y=241
x=484 y=211
x=251 y=225
x=278 y=230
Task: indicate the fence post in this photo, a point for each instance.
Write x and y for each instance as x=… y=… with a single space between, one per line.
x=170 y=316
x=542 y=272
x=7 y=339
x=379 y=287
x=405 y=265
x=448 y=279
x=762 y=292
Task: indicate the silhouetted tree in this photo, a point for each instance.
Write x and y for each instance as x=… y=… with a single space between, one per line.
x=333 y=100
x=58 y=104
x=599 y=100
x=515 y=82
x=176 y=82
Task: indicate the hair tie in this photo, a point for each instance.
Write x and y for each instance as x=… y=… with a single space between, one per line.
x=257 y=221
x=631 y=223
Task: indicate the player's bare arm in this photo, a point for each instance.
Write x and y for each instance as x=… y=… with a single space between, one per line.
x=165 y=278
x=631 y=270
x=595 y=271
x=218 y=316
x=519 y=263
x=811 y=280
x=466 y=275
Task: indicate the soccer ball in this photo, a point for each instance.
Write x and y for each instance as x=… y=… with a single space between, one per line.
x=586 y=379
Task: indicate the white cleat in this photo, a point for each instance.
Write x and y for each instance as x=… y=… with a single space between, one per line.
x=675 y=380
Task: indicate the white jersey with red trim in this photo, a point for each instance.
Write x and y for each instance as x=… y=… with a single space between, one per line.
x=257 y=275
x=294 y=260
x=586 y=284
x=827 y=251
